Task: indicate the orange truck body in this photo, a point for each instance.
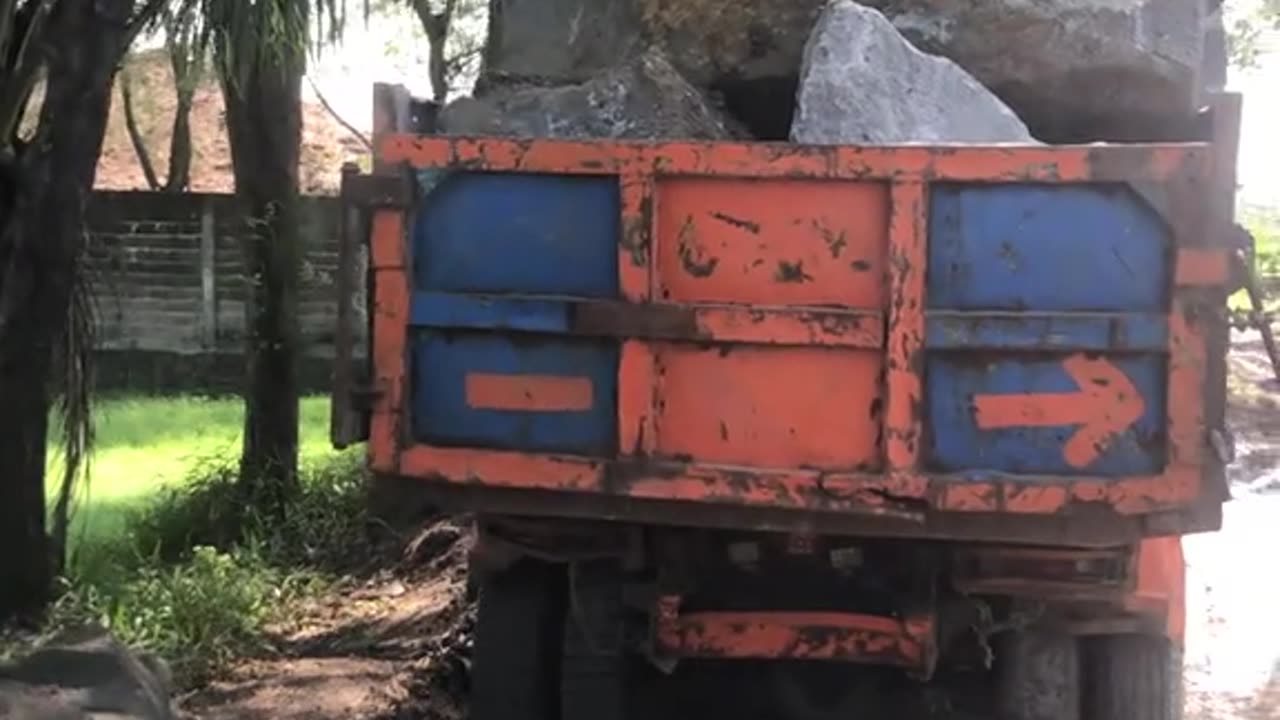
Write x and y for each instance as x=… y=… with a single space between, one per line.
x=1014 y=350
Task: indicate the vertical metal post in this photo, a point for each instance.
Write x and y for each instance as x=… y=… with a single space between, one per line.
x=208 y=276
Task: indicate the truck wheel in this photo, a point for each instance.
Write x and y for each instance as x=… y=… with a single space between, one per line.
x=1038 y=676
x=519 y=622
x=1132 y=677
x=594 y=667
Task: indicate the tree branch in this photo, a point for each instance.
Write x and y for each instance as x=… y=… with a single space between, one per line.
x=135 y=134
x=334 y=113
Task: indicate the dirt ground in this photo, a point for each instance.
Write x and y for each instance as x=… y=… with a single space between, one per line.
x=387 y=648
x=1233 y=635
x=395 y=647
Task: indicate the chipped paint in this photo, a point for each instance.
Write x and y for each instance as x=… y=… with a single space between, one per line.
x=863 y=294
x=847 y=637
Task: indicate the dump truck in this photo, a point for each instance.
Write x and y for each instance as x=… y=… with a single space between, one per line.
x=776 y=431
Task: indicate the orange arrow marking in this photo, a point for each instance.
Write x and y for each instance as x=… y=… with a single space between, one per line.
x=1106 y=405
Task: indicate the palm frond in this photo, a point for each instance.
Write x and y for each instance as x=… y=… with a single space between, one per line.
x=73 y=391
x=244 y=32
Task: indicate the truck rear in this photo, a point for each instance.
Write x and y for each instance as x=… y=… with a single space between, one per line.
x=781 y=431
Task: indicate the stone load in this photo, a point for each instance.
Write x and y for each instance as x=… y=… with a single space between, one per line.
x=1070 y=70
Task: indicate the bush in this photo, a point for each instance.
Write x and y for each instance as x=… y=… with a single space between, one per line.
x=198 y=614
x=211 y=509
x=198 y=575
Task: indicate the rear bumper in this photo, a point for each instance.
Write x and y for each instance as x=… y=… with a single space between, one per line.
x=830 y=636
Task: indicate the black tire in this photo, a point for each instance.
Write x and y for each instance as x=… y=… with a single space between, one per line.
x=594 y=667
x=1038 y=676
x=1132 y=677
x=519 y=623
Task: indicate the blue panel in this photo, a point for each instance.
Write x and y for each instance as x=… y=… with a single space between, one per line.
x=1031 y=331
x=441 y=416
x=432 y=309
x=519 y=233
x=1046 y=247
x=957 y=444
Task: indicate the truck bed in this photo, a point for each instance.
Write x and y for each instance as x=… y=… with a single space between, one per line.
x=1013 y=343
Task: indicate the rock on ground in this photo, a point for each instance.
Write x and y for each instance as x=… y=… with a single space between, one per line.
x=82 y=676
x=642 y=98
x=863 y=83
x=1074 y=70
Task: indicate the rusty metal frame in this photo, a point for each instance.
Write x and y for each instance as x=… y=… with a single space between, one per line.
x=831 y=636
x=903 y=491
x=1067 y=575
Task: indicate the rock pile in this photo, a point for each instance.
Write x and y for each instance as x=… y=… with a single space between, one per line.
x=1072 y=70
x=642 y=98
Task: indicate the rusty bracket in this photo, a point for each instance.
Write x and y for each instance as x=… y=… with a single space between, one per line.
x=352 y=393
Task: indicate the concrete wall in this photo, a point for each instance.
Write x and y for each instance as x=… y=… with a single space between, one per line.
x=169 y=280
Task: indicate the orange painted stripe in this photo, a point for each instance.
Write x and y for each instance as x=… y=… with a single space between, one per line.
x=533 y=393
x=390 y=329
x=1154 y=162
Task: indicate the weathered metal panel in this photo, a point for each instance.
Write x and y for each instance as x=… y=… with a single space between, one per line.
x=1042 y=247
x=892 y=336
x=770 y=407
x=1047 y=415
x=519 y=233
x=528 y=393
x=780 y=242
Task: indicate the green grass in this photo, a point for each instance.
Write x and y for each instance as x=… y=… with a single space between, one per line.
x=145 y=444
x=167 y=552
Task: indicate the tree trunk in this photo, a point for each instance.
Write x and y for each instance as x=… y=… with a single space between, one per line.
x=41 y=238
x=135 y=133
x=187 y=63
x=264 y=124
x=179 y=178
x=437 y=27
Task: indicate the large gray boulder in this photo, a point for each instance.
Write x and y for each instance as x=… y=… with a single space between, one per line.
x=1075 y=70
x=86 y=675
x=557 y=41
x=1072 y=69
x=862 y=83
x=640 y=99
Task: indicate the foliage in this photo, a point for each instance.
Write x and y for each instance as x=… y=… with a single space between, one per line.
x=198 y=615
x=1266 y=240
x=211 y=509
x=197 y=576
x=248 y=34
x=453 y=53
x=136 y=458
x=1249 y=22
x=1265 y=228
